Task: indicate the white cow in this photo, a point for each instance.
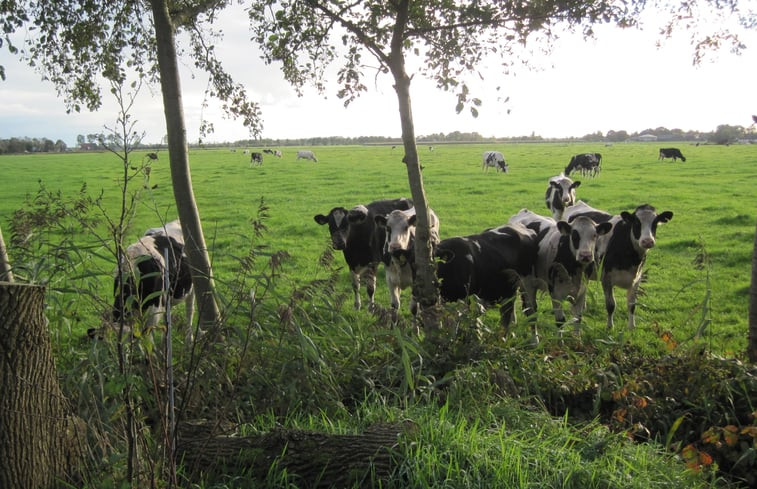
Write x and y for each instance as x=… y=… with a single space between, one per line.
x=561 y=194
x=494 y=159
x=306 y=155
x=399 y=250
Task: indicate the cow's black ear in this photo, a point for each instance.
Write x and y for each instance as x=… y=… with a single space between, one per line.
x=444 y=255
x=320 y=219
x=380 y=220
x=576 y=184
x=665 y=216
x=604 y=228
x=564 y=227
x=411 y=220
x=627 y=216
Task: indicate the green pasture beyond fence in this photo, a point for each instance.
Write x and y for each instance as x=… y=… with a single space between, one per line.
x=697 y=276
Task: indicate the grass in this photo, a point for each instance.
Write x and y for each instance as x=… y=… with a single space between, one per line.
x=710 y=196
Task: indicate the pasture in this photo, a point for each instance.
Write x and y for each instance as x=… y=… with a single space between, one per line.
x=697 y=276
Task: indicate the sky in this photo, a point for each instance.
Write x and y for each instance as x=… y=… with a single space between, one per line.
x=621 y=80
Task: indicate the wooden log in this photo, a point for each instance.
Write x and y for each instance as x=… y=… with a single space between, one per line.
x=315 y=460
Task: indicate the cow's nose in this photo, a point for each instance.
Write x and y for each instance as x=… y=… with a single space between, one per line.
x=585 y=256
x=647 y=243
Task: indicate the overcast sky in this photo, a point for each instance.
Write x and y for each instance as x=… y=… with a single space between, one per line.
x=620 y=81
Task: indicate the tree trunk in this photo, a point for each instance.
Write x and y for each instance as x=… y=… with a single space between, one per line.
x=315 y=459
x=425 y=288
x=5 y=264
x=202 y=277
x=39 y=440
x=752 y=342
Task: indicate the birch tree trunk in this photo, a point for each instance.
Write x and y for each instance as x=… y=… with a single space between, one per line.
x=202 y=277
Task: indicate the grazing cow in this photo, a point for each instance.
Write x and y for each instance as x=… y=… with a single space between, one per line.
x=307 y=155
x=494 y=159
x=490 y=265
x=561 y=193
x=355 y=232
x=622 y=252
x=399 y=250
x=565 y=252
x=588 y=164
x=674 y=153
x=268 y=151
x=141 y=273
x=277 y=153
x=256 y=157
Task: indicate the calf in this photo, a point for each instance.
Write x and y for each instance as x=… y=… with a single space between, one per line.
x=361 y=240
x=622 y=252
x=494 y=159
x=561 y=193
x=674 y=153
x=399 y=250
x=490 y=265
x=565 y=251
x=588 y=164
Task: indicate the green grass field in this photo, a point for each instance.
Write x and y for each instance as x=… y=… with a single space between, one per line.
x=711 y=195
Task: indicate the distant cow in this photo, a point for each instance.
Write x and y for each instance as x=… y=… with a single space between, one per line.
x=139 y=285
x=268 y=151
x=674 y=153
x=561 y=193
x=489 y=265
x=565 y=250
x=588 y=164
x=494 y=159
x=399 y=250
x=306 y=155
x=621 y=253
x=256 y=158
x=361 y=240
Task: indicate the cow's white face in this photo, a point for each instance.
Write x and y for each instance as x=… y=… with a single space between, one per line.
x=583 y=233
x=643 y=222
x=400 y=231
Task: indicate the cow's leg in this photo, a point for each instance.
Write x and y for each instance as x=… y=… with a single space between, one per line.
x=631 y=300
x=528 y=297
x=370 y=283
x=393 y=283
x=609 y=301
x=356 y=287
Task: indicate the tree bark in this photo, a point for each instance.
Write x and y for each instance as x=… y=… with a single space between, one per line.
x=314 y=459
x=425 y=288
x=752 y=341
x=39 y=439
x=197 y=252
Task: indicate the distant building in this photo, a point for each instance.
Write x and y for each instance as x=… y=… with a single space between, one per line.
x=88 y=146
x=646 y=138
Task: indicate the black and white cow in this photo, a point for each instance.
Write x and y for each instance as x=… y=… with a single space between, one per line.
x=588 y=164
x=565 y=252
x=361 y=240
x=561 y=193
x=256 y=158
x=139 y=284
x=399 y=250
x=622 y=252
x=490 y=265
x=674 y=153
x=307 y=155
x=494 y=159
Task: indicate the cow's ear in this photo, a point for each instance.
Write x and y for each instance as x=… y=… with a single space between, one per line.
x=576 y=184
x=320 y=219
x=564 y=227
x=627 y=216
x=380 y=220
x=357 y=214
x=665 y=216
x=604 y=228
x=444 y=255
x=412 y=219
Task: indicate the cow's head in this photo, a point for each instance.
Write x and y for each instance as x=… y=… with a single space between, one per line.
x=338 y=226
x=583 y=233
x=400 y=230
x=643 y=222
x=563 y=190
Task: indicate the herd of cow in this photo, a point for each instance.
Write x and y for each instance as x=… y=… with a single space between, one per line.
x=528 y=254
